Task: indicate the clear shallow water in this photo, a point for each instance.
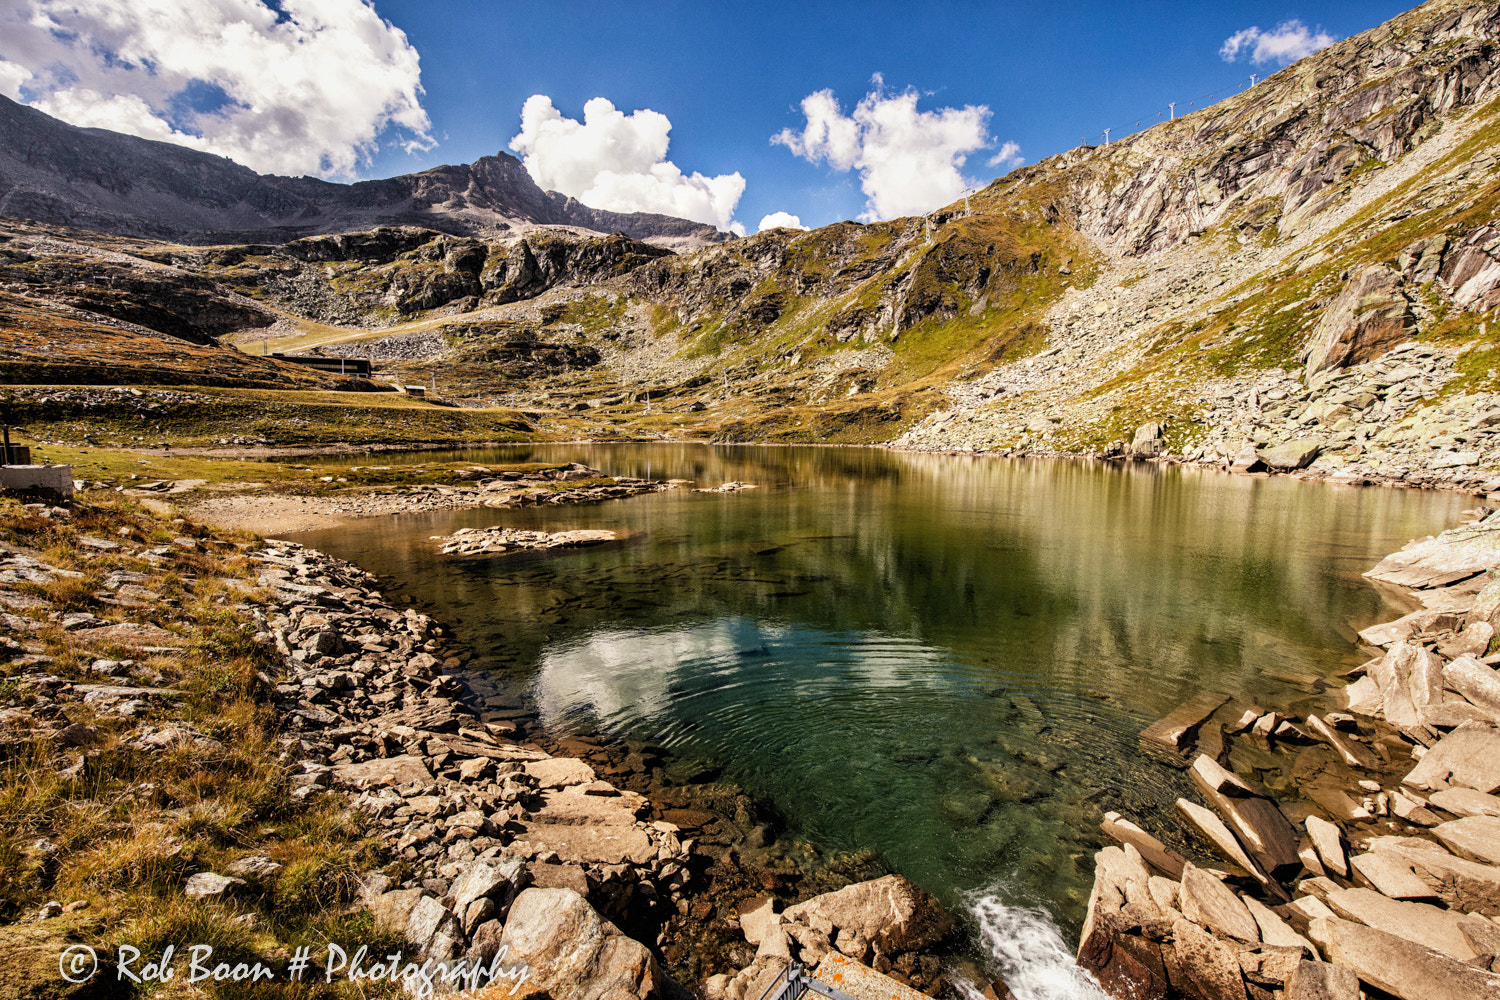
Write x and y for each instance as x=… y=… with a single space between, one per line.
x=945 y=659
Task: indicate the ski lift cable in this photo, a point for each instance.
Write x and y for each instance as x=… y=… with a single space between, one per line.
x=1193 y=104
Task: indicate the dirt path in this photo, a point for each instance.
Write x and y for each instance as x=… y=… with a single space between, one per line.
x=273 y=514
x=270 y=515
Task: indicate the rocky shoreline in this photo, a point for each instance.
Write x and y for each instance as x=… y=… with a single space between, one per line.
x=282 y=512
x=1382 y=422
x=1354 y=848
x=382 y=709
x=491 y=845
x=508 y=849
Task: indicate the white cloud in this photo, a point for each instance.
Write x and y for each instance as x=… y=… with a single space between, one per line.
x=1289 y=42
x=1008 y=158
x=12 y=76
x=618 y=162
x=310 y=88
x=909 y=161
x=779 y=220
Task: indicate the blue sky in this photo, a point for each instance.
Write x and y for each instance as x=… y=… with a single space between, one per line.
x=728 y=76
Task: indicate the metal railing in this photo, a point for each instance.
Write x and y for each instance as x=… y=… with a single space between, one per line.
x=795 y=981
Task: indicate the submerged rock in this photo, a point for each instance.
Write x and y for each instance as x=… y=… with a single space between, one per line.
x=492 y=541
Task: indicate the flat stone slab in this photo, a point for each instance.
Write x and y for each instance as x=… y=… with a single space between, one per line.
x=1456 y=554
x=123 y=691
x=1427 y=925
x=559 y=772
x=1401 y=967
x=1452 y=714
x=494 y=541
x=1389 y=633
x=1463 y=885
x=608 y=845
x=1474 y=837
x=1213 y=829
x=574 y=805
x=1257 y=823
x=1155 y=853
x=1273 y=930
x=1466 y=802
x=1392 y=877
x=1329 y=844
x=1172 y=730
x=1210 y=903
x=402 y=770
x=1468 y=756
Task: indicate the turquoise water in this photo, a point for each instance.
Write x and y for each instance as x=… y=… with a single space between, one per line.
x=944 y=659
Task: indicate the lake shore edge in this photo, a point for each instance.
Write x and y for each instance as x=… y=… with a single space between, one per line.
x=1379 y=866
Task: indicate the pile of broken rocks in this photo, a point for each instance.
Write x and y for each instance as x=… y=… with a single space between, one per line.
x=1394 y=885
x=375 y=712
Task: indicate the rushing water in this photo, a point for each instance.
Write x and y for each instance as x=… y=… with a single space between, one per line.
x=945 y=659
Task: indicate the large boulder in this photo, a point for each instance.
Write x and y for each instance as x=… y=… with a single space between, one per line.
x=1124 y=963
x=1290 y=455
x=1366 y=319
x=1147 y=439
x=575 y=953
x=890 y=914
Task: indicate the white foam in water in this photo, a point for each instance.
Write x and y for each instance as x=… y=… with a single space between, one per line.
x=1030 y=952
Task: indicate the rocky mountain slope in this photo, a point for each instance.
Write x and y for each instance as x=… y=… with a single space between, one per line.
x=1301 y=276
x=52 y=172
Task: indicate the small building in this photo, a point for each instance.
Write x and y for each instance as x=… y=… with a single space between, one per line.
x=55 y=480
x=339 y=366
x=419 y=391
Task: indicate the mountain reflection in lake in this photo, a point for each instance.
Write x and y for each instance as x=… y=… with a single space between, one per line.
x=945 y=659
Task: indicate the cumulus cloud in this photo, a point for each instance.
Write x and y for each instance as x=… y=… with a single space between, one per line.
x=780 y=220
x=11 y=78
x=1289 y=42
x=618 y=162
x=306 y=86
x=1008 y=158
x=909 y=161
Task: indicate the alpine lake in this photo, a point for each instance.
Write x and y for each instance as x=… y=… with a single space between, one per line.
x=947 y=660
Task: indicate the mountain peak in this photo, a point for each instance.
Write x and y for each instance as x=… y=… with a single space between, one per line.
x=55 y=173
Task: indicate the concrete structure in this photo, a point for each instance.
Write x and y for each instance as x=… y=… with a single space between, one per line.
x=337 y=365
x=854 y=979
x=57 y=479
